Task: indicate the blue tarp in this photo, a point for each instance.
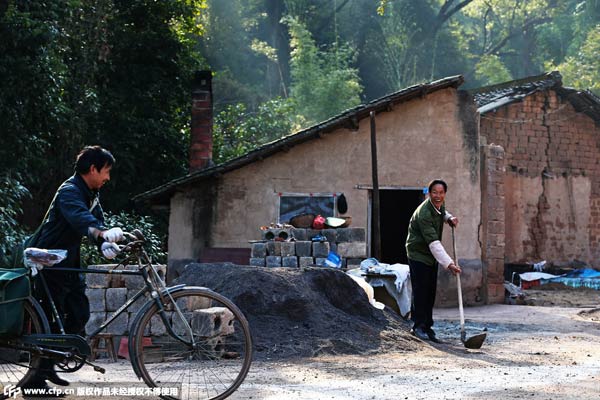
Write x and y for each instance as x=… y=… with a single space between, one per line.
x=585 y=277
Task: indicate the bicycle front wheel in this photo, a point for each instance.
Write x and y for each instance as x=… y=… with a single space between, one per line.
x=18 y=364
x=212 y=365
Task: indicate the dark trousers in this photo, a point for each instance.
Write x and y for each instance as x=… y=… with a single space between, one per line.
x=423 y=279
x=71 y=302
x=73 y=307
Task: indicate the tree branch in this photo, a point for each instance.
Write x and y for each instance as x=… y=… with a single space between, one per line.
x=445 y=14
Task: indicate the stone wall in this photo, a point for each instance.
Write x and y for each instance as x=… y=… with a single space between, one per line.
x=278 y=250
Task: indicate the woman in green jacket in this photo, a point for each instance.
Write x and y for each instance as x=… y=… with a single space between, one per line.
x=425 y=251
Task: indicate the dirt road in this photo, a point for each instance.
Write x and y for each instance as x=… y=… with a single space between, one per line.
x=530 y=353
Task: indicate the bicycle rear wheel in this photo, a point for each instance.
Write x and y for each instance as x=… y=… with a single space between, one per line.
x=16 y=365
x=212 y=368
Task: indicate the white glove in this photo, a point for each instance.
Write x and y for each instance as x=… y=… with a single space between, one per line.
x=110 y=250
x=113 y=235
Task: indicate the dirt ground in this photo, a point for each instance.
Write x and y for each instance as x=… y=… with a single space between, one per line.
x=531 y=352
x=356 y=353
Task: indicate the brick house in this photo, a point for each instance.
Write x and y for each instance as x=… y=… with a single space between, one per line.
x=521 y=197
x=550 y=139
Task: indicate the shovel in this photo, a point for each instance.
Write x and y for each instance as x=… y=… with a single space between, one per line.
x=474 y=342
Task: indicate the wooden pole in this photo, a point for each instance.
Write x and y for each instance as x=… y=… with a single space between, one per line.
x=375 y=224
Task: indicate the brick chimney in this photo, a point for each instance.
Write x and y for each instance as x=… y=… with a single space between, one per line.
x=202 y=121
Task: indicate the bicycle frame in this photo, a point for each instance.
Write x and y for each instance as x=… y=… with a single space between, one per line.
x=156 y=293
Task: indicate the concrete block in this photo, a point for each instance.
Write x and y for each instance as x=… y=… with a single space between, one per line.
x=320 y=262
x=96 y=299
x=311 y=233
x=306 y=261
x=271 y=234
x=353 y=262
x=351 y=235
x=330 y=234
x=320 y=249
x=136 y=282
x=257 y=262
x=303 y=249
x=333 y=247
x=134 y=308
x=274 y=248
x=132 y=282
x=289 y=262
x=210 y=322
x=98 y=281
x=96 y=319
x=352 y=249
x=258 y=250
x=115 y=298
x=273 y=261
x=120 y=325
x=288 y=249
x=156 y=328
x=299 y=234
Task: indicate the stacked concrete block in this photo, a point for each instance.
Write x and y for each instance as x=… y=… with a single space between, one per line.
x=257 y=262
x=259 y=250
x=300 y=251
x=115 y=298
x=120 y=326
x=288 y=249
x=273 y=248
x=299 y=234
x=305 y=261
x=320 y=249
x=273 y=261
x=352 y=249
x=108 y=292
x=304 y=249
x=289 y=262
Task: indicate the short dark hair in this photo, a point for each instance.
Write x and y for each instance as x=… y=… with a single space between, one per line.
x=93 y=156
x=437 y=182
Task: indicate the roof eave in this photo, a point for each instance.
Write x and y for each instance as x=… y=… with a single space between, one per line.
x=348 y=118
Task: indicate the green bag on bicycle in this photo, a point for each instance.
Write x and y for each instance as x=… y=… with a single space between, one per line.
x=14 y=290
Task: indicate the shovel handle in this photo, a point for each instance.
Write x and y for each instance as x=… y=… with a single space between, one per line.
x=460 y=300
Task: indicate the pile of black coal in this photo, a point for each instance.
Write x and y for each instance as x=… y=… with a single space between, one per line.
x=303 y=312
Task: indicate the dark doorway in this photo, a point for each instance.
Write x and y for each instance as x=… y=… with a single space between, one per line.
x=397 y=206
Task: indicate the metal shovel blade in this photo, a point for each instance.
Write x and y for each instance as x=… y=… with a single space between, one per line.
x=474 y=342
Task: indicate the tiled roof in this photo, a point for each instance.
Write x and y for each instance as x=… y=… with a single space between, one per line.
x=347 y=119
x=490 y=98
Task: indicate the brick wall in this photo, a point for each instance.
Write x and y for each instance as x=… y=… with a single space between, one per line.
x=551 y=159
x=493 y=227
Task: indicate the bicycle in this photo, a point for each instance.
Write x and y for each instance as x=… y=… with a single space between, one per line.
x=184 y=337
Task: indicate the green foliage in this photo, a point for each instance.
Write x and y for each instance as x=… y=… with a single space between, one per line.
x=582 y=71
x=117 y=72
x=323 y=81
x=144 y=96
x=237 y=131
x=110 y=72
x=155 y=239
x=11 y=233
x=490 y=70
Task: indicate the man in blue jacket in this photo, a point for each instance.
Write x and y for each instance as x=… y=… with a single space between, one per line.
x=75 y=212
